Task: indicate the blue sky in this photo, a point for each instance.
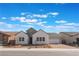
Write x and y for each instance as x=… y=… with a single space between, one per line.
x=51 y=17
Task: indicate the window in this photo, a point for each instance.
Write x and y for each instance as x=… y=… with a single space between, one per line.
x=43 y=38
x=37 y=38
x=40 y=38
x=21 y=39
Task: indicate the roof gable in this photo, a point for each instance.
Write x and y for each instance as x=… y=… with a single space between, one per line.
x=20 y=32
x=40 y=31
x=31 y=31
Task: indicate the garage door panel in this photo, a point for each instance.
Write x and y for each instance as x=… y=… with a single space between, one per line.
x=54 y=41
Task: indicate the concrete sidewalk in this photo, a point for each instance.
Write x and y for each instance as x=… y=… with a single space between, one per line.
x=36 y=49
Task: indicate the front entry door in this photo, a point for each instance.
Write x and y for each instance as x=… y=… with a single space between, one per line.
x=30 y=41
x=78 y=41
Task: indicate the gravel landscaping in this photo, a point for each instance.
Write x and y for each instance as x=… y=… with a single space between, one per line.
x=41 y=46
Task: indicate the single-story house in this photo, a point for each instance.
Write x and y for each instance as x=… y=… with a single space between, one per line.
x=3 y=38
x=69 y=37
x=11 y=38
x=32 y=36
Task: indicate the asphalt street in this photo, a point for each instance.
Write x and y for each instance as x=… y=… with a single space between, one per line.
x=40 y=53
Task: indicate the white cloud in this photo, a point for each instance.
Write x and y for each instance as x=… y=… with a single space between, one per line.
x=41 y=23
x=29 y=16
x=2 y=23
x=63 y=27
x=54 y=13
x=66 y=23
x=23 y=26
x=23 y=13
x=66 y=28
x=14 y=18
x=49 y=27
x=23 y=19
x=60 y=21
x=5 y=30
x=10 y=25
x=29 y=21
x=6 y=25
x=60 y=27
x=40 y=16
x=17 y=18
x=72 y=24
x=3 y=18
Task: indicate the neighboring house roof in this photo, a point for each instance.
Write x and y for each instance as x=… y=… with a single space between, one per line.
x=53 y=36
x=11 y=35
x=71 y=34
x=31 y=31
x=4 y=33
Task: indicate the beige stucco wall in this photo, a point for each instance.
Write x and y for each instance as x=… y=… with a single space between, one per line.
x=3 y=39
x=12 y=37
x=40 y=34
x=21 y=34
x=1 y=36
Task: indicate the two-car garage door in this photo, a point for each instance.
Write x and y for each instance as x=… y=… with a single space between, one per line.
x=55 y=41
